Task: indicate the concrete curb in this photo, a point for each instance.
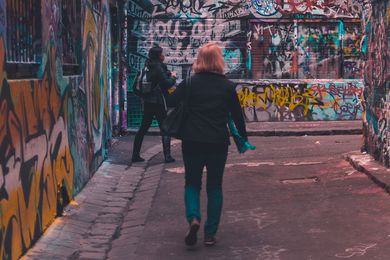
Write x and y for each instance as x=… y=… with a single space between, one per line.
x=276 y=132
x=305 y=132
x=366 y=164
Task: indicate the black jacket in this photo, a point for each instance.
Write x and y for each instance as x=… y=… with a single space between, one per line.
x=161 y=79
x=212 y=98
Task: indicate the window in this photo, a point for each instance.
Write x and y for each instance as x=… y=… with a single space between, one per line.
x=314 y=49
x=319 y=51
x=71 y=36
x=24 y=38
x=273 y=50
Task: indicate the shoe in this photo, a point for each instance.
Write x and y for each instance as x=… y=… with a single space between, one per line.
x=166 y=141
x=192 y=237
x=169 y=159
x=209 y=241
x=137 y=159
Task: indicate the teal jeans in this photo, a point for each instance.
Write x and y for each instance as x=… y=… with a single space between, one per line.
x=194 y=162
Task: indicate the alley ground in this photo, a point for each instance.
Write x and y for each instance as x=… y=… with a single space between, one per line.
x=293 y=198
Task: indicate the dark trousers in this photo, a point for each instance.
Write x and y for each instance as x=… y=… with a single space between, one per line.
x=159 y=112
x=194 y=162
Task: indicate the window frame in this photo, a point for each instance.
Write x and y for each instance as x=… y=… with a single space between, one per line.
x=23 y=68
x=72 y=69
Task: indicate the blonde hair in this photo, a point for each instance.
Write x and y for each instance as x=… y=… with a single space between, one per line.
x=209 y=58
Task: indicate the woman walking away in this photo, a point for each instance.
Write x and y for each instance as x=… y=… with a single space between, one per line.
x=154 y=104
x=205 y=137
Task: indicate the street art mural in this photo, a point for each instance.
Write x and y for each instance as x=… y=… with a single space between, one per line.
x=261 y=39
x=376 y=21
x=242 y=8
x=283 y=100
x=352 y=45
x=54 y=129
x=273 y=48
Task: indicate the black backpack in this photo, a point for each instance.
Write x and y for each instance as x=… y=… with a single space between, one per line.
x=141 y=87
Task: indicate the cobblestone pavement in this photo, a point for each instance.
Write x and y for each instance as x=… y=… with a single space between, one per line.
x=113 y=205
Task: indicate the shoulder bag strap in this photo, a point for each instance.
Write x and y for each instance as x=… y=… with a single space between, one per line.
x=188 y=88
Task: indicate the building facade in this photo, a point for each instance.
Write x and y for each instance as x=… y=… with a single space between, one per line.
x=292 y=60
x=376 y=24
x=55 y=94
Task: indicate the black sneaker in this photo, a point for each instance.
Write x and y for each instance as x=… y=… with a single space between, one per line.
x=209 y=241
x=137 y=159
x=192 y=237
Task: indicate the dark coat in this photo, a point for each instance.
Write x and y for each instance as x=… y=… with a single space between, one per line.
x=212 y=98
x=161 y=79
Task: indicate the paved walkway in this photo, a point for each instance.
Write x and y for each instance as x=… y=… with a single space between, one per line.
x=293 y=198
x=109 y=201
x=107 y=219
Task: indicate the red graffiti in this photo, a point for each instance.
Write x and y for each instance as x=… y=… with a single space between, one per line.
x=343 y=90
x=294 y=6
x=347 y=8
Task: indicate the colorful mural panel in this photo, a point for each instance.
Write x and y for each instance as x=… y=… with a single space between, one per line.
x=54 y=130
x=283 y=100
x=273 y=49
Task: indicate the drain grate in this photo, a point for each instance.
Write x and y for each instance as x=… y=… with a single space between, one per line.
x=300 y=180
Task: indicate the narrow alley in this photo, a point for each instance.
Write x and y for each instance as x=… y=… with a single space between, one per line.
x=87 y=170
x=294 y=198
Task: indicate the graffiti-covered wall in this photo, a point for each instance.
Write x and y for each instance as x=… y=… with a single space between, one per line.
x=304 y=100
x=55 y=125
x=377 y=79
x=261 y=39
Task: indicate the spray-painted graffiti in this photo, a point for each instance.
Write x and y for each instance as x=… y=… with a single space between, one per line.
x=257 y=8
x=265 y=7
x=352 y=50
x=300 y=101
x=202 y=9
x=318 y=46
x=291 y=40
x=352 y=39
x=273 y=46
x=37 y=168
x=304 y=50
x=53 y=130
x=181 y=38
x=338 y=8
x=376 y=22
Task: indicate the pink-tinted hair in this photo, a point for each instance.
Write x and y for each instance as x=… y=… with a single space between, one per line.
x=209 y=58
